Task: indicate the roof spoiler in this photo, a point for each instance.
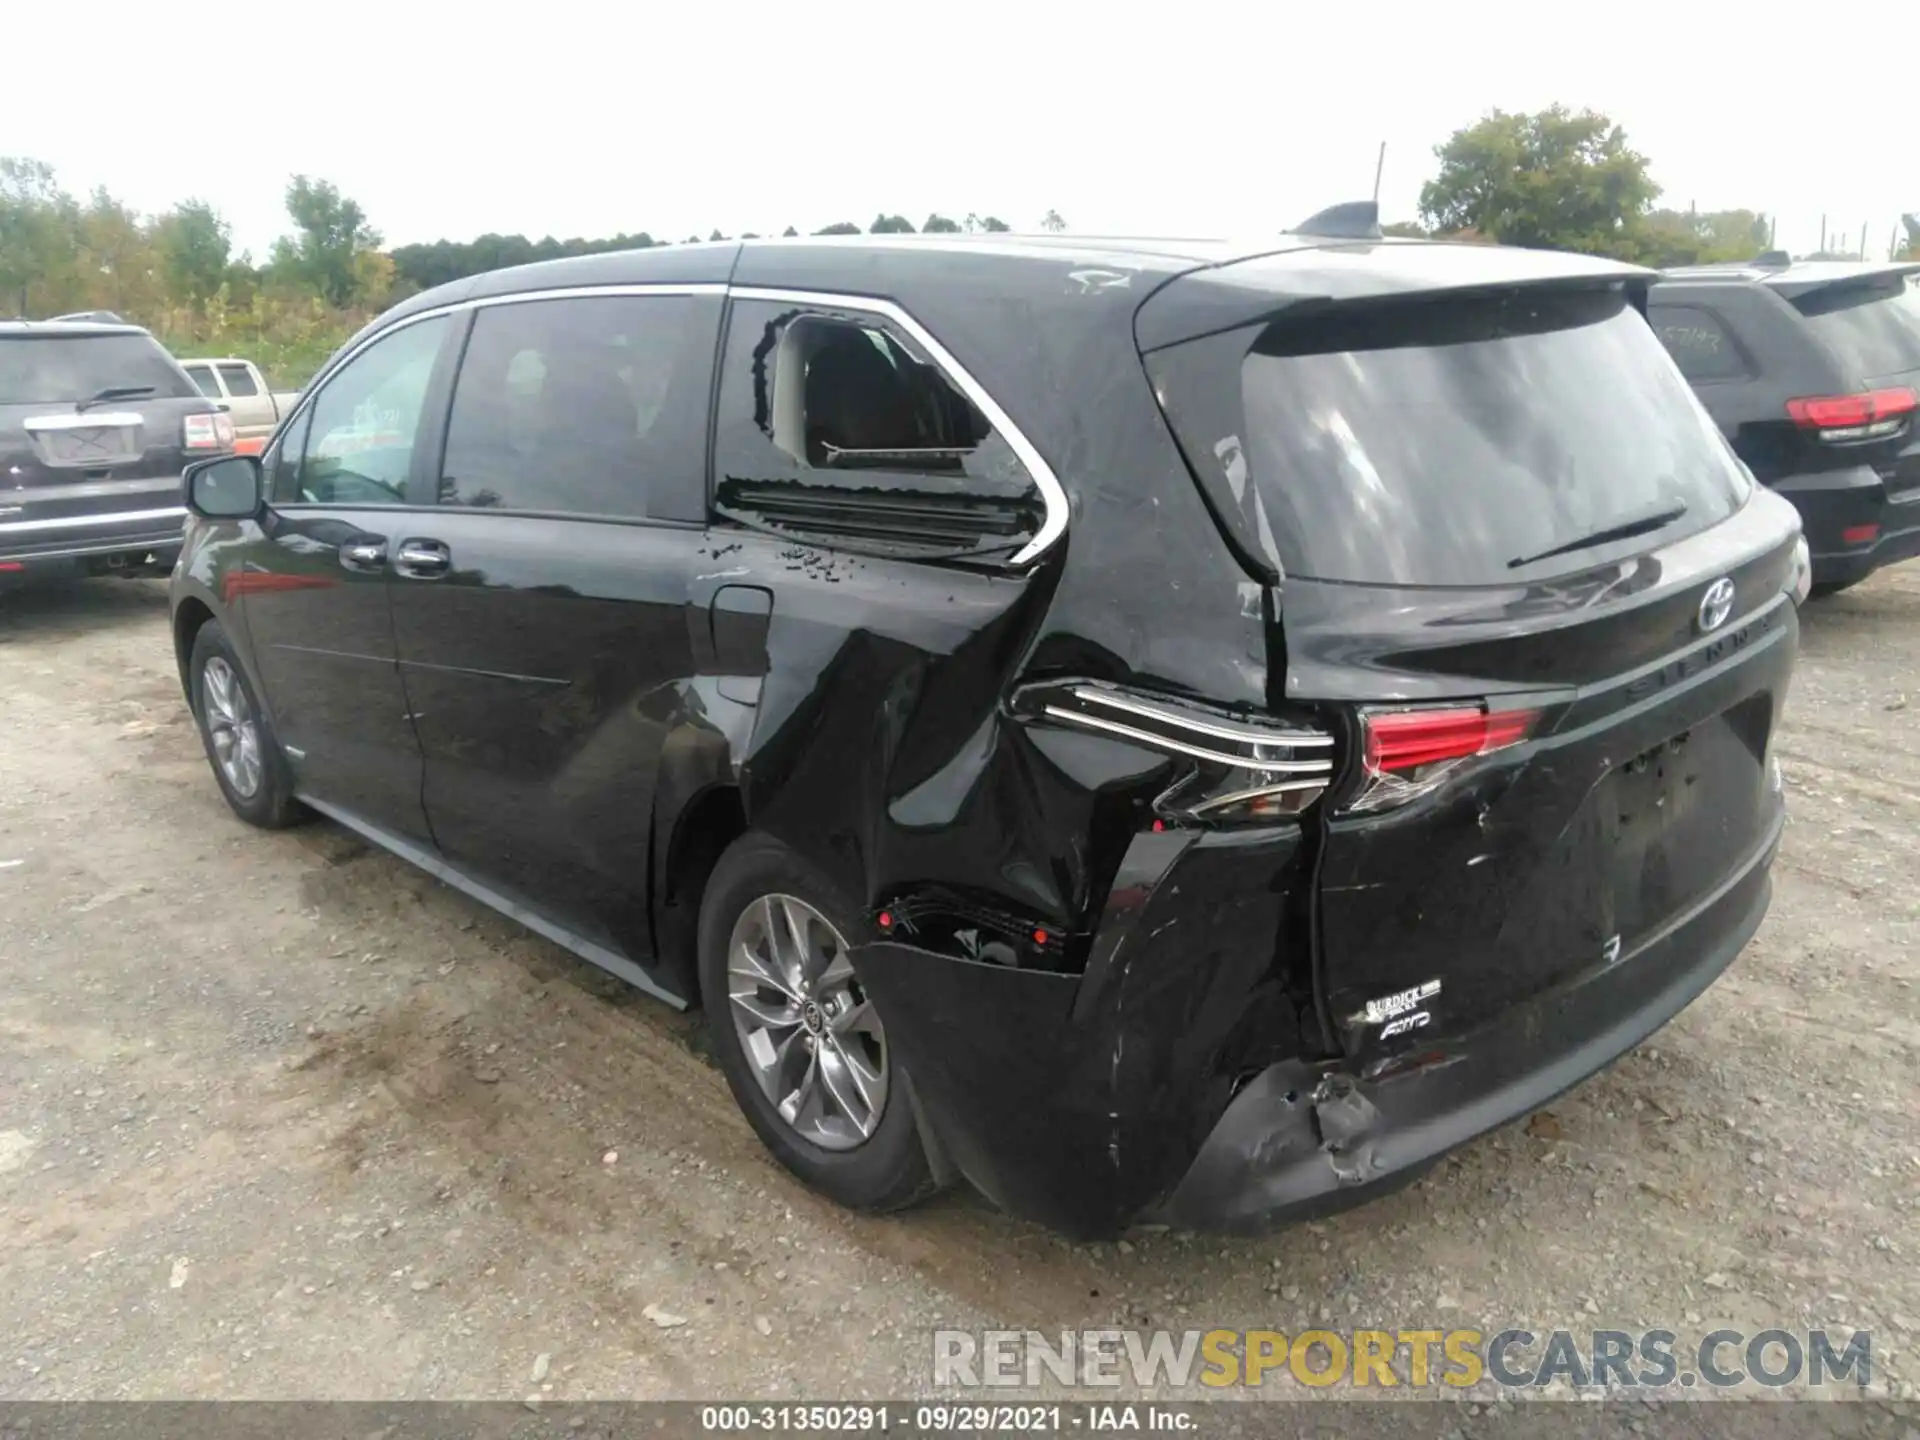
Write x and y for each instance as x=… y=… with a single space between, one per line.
x=94 y=317
x=1773 y=259
x=1354 y=220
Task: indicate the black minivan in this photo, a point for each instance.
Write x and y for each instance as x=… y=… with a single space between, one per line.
x=1158 y=729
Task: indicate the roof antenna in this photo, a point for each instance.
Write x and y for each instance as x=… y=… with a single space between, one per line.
x=1354 y=220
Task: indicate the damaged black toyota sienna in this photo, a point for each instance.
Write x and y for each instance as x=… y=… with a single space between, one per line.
x=1161 y=730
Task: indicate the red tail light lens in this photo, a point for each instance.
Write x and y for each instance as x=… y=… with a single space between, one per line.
x=207 y=432
x=1844 y=418
x=1408 y=739
x=1412 y=752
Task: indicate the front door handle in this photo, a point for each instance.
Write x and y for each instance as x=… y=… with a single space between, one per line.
x=422 y=559
x=365 y=555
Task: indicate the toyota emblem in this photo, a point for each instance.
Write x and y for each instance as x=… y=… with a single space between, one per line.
x=1715 y=606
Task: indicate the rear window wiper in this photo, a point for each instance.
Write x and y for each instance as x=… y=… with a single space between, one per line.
x=1625 y=530
x=114 y=392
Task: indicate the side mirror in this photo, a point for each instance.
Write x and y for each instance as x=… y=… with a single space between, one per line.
x=226 y=488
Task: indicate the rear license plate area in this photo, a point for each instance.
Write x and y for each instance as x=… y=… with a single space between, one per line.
x=1679 y=815
x=91 y=447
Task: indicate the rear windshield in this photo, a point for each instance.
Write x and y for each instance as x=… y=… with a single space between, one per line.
x=1466 y=441
x=61 y=369
x=1873 y=329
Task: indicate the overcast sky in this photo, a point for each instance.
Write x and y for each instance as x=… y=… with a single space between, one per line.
x=1195 y=118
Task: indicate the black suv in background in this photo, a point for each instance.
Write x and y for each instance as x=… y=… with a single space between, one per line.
x=1154 y=728
x=1811 y=369
x=96 y=422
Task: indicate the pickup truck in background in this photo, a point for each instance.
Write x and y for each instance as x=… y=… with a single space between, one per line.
x=239 y=385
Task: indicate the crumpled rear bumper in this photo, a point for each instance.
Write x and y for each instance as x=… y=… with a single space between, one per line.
x=1166 y=1081
x=1077 y=1100
x=1297 y=1141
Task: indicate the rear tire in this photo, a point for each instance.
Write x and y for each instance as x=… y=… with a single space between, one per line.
x=238 y=736
x=794 y=1034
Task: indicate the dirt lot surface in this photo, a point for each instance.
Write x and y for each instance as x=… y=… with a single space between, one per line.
x=282 y=1117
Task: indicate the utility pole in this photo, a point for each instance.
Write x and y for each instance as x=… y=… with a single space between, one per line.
x=1823 y=234
x=1862 y=252
x=1379 y=168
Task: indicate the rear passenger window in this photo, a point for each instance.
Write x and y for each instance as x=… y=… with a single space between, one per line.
x=1698 y=342
x=582 y=406
x=836 y=427
x=239 y=380
x=204 y=382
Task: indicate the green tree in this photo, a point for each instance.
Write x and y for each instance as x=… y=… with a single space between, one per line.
x=938 y=224
x=1052 y=223
x=1684 y=237
x=195 y=247
x=1911 y=224
x=788 y=233
x=37 y=220
x=840 y=227
x=989 y=223
x=1405 y=230
x=1558 y=180
x=890 y=225
x=330 y=230
x=116 y=256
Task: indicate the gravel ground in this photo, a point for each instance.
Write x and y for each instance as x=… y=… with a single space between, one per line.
x=280 y=1117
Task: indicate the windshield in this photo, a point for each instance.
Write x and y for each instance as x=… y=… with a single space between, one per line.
x=1466 y=441
x=65 y=369
x=1874 y=329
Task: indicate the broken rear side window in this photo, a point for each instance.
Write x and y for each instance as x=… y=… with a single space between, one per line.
x=834 y=427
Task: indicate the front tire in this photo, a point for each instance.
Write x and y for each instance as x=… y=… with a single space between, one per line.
x=801 y=1045
x=239 y=740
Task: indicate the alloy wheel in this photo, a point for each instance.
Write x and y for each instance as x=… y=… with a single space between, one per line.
x=811 y=1037
x=232 y=727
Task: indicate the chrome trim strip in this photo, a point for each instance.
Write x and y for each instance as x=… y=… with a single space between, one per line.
x=90 y=489
x=98 y=420
x=1219 y=731
x=440 y=870
x=69 y=522
x=1322 y=768
x=1051 y=492
x=589 y=292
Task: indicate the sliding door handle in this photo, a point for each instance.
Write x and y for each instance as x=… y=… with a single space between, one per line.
x=422 y=559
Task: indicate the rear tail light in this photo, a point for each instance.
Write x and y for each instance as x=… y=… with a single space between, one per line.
x=1410 y=753
x=1847 y=419
x=1232 y=770
x=1859 y=534
x=207 y=432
